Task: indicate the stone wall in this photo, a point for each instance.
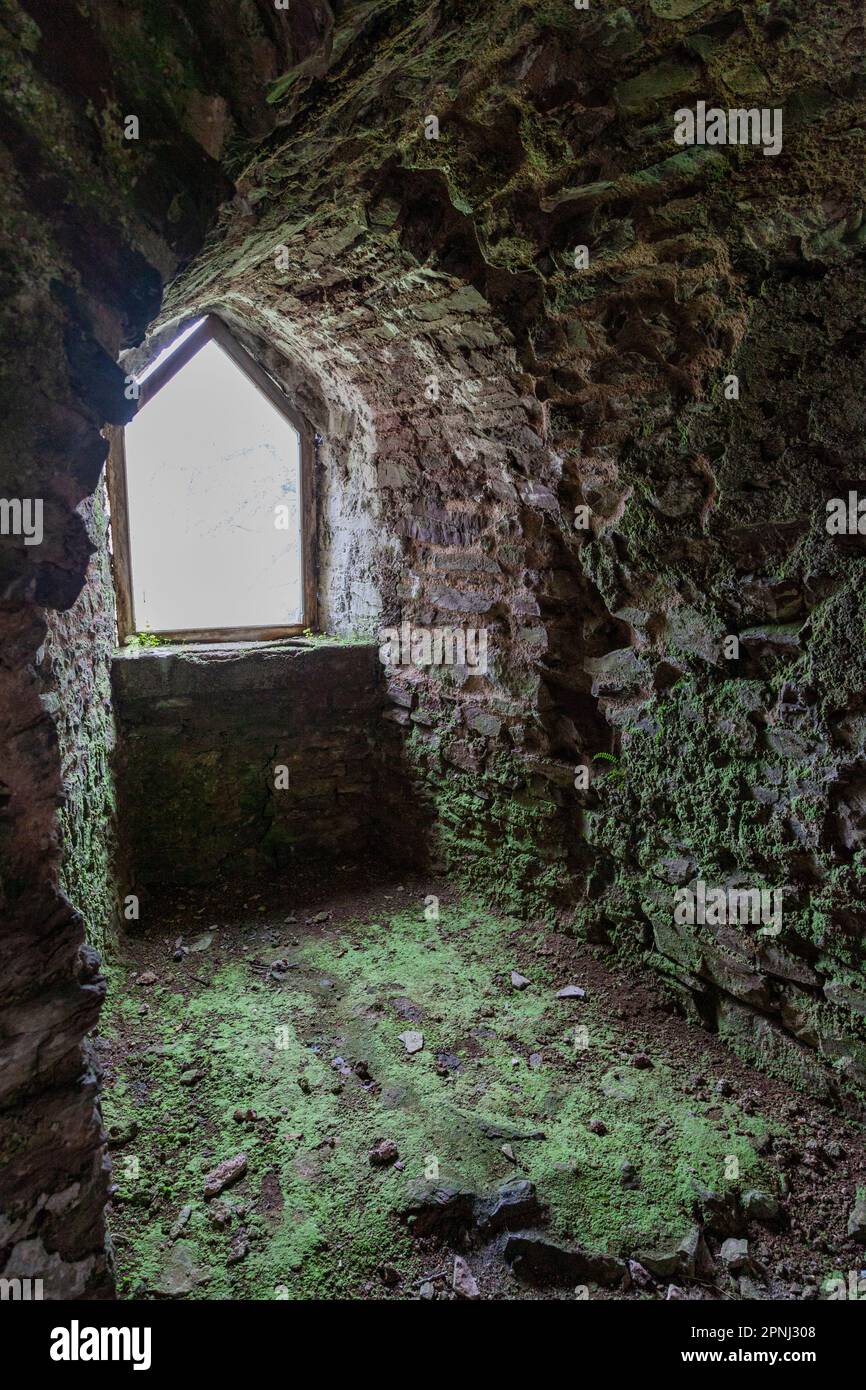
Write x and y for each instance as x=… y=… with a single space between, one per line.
x=74 y=668
x=243 y=760
x=558 y=461
x=91 y=224
x=489 y=387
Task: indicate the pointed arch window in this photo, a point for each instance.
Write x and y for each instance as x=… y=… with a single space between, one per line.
x=211 y=495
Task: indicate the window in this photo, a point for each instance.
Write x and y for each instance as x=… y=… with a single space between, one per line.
x=211 y=499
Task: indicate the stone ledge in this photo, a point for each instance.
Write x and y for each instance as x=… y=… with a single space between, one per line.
x=223 y=668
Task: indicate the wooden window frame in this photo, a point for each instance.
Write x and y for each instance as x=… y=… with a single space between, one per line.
x=211 y=329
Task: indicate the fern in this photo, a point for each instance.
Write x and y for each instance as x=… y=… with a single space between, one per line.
x=615 y=769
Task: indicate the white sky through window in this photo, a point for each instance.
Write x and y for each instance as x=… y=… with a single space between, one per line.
x=209 y=460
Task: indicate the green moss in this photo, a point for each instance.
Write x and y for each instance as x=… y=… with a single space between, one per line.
x=270 y=1048
x=497 y=837
x=87 y=817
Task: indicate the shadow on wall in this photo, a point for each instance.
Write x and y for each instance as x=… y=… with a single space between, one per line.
x=240 y=759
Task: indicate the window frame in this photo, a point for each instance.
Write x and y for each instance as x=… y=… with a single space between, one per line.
x=211 y=329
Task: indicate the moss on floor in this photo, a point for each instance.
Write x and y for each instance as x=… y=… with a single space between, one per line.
x=320 y=1220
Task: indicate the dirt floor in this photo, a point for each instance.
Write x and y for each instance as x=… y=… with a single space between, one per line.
x=274 y=1135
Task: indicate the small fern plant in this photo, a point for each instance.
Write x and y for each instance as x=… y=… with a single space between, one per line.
x=616 y=770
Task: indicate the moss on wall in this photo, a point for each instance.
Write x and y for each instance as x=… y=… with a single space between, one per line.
x=76 y=675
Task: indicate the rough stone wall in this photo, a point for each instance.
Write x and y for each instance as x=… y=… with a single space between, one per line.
x=412 y=259
x=435 y=481
x=450 y=261
x=238 y=762
x=74 y=668
x=90 y=226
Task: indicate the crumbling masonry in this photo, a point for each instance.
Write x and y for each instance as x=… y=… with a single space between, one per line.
x=512 y=437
